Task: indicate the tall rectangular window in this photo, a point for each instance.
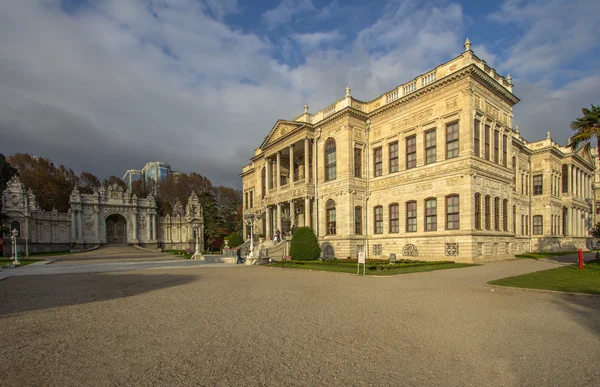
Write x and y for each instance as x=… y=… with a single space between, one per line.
x=538 y=185
x=411 y=152
x=496 y=147
x=522 y=224
x=478 y=211
x=496 y=213
x=393 y=157
x=504 y=150
x=452 y=140
x=378 y=161
x=514 y=219
x=505 y=215
x=411 y=216
x=378 y=220
x=452 y=212
x=486 y=139
x=358 y=219
x=488 y=214
x=430 y=147
x=565 y=178
x=538 y=225
x=526 y=224
x=394 y=218
x=357 y=162
x=476 y=136
x=431 y=214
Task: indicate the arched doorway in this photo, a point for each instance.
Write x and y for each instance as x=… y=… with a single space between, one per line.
x=115 y=229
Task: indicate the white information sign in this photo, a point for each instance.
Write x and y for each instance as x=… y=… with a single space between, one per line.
x=361 y=257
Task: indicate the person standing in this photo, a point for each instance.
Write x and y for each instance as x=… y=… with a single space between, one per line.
x=239 y=256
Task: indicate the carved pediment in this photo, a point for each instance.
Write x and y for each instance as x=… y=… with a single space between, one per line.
x=281 y=129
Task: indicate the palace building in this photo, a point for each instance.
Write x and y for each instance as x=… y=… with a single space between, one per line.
x=431 y=170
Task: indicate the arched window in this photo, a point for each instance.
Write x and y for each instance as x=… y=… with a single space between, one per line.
x=330 y=159
x=411 y=216
x=431 y=214
x=378 y=219
x=394 y=218
x=263 y=177
x=452 y=212
x=330 y=216
x=478 y=211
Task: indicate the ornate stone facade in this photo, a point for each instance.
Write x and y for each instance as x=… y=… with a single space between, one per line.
x=432 y=169
x=110 y=216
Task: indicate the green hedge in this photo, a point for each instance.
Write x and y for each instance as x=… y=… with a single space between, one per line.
x=234 y=239
x=304 y=245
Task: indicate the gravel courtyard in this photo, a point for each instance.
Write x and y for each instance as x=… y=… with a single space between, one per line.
x=267 y=326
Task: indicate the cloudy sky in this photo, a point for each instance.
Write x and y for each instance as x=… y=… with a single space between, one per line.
x=98 y=85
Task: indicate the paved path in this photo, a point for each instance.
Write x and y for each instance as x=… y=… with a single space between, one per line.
x=252 y=326
x=106 y=259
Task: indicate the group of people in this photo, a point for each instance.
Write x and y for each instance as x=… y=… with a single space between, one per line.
x=279 y=236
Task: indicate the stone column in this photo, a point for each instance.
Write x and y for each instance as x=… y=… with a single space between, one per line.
x=267 y=174
x=73 y=223
x=97 y=224
x=149 y=226
x=154 y=227
x=80 y=224
x=278 y=217
x=134 y=220
x=307 y=212
x=278 y=177
x=306 y=152
x=292 y=213
x=291 y=164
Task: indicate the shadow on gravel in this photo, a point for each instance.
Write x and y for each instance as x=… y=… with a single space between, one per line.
x=20 y=294
x=584 y=310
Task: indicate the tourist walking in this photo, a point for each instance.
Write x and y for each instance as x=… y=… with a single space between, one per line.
x=239 y=256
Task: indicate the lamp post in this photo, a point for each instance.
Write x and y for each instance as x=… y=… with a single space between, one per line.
x=195 y=227
x=13 y=239
x=251 y=218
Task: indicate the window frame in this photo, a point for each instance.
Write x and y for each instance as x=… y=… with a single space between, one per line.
x=496 y=213
x=478 y=222
x=394 y=218
x=411 y=152
x=453 y=224
x=357 y=162
x=452 y=129
x=430 y=148
x=394 y=164
x=487 y=211
x=330 y=165
x=411 y=216
x=430 y=214
x=330 y=213
x=538 y=189
x=358 y=220
x=378 y=220
x=538 y=229
x=378 y=161
x=477 y=137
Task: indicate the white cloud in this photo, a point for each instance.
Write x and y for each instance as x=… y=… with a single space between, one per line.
x=314 y=40
x=286 y=11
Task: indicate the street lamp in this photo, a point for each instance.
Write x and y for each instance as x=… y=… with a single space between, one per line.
x=195 y=226
x=13 y=239
x=251 y=218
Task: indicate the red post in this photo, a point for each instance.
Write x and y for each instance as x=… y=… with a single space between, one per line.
x=580 y=251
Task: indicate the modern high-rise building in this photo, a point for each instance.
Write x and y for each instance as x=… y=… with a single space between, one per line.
x=156 y=171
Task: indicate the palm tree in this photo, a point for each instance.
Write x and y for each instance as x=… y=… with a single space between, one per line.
x=588 y=129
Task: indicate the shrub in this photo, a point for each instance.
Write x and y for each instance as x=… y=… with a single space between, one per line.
x=304 y=246
x=235 y=239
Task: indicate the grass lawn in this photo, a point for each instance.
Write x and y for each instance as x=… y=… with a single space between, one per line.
x=564 y=279
x=23 y=262
x=373 y=268
x=544 y=255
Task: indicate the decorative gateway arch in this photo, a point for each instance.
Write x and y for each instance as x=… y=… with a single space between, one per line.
x=107 y=216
